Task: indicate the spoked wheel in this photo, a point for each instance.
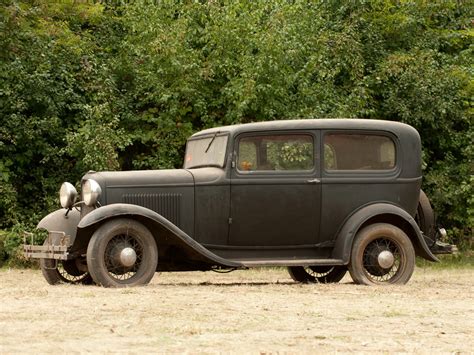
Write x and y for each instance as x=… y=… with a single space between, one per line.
x=67 y=271
x=382 y=254
x=122 y=253
x=317 y=274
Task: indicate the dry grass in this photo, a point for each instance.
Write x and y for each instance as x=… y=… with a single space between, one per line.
x=244 y=311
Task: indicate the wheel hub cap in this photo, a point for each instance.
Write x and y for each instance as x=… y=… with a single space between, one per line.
x=127 y=257
x=385 y=259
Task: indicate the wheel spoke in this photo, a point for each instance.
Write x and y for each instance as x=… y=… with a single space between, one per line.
x=371 y=265
x=114 y=268
x=67 y=277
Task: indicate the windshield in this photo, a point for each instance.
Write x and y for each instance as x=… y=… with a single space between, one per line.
x=209 y=151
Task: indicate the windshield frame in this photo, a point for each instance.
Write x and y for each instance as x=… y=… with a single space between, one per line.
x=211 y=136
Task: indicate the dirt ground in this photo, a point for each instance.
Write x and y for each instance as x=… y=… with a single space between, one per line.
x=258 y=311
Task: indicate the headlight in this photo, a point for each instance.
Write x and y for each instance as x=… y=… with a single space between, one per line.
x=91 y=192
x=67 y=195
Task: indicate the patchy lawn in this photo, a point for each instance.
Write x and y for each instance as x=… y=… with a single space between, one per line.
x=259 y=310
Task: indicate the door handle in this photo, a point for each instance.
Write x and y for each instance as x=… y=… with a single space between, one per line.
x=313 y=181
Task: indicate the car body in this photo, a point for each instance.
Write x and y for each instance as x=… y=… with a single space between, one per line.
x=319 y=196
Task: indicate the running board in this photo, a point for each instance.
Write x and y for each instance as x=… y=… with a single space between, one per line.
x=289 y=262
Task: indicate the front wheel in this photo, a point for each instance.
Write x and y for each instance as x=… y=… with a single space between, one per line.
x=382 y=254
x=64 y=272
x=317 y=274
x=121 y=253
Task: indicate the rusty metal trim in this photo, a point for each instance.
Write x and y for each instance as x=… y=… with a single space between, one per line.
x=38 y=255
x=55 y=247
x=50 y=248
x=45 y=252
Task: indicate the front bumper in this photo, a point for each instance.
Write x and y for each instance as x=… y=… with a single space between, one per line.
x=61 y=228
x=55 y=247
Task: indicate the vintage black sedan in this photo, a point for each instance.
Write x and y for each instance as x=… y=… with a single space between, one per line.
x=318 y=196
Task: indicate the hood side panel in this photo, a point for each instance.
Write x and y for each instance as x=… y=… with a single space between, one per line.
x=169 y=193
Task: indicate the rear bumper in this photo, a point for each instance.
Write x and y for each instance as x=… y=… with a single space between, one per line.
x=444 y=248
x=440 y=247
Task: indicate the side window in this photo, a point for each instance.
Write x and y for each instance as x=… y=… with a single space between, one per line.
x=247 y=155
x=358 y=152
x=329 y=157
x=276 y=153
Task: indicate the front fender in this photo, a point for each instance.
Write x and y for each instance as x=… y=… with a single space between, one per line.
x=379 y=212
x=157 y=223
x=58 y=221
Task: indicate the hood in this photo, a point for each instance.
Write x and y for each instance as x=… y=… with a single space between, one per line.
x=141 y=177
x=114 y=183
x=170 y=193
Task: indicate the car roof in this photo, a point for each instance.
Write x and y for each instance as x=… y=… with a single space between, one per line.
x=306 y=124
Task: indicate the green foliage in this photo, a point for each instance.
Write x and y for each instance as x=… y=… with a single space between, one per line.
x=97 y=139
x=87 y=85
x=297 y=155
x=3 y=254
x=11 y=245
x=463 y=260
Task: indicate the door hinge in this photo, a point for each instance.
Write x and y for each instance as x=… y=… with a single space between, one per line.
x=230 y=220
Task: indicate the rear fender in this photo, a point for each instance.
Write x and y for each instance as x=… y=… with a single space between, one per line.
x=379 y=213
x=162 y=229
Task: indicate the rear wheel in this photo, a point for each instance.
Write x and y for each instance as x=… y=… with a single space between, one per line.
x=317 y=274
x=121 y=253
x=382 y=254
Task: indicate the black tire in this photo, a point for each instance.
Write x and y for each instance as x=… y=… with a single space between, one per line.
x=64 y=272
x=371 y=262
x=317 y=274
x=108 y=241
x=425 y=219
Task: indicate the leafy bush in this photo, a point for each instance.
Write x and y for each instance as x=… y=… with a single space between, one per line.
x=91 y=85
x=11 y=245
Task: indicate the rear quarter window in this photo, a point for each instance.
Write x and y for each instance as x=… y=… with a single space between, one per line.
x=353 y=152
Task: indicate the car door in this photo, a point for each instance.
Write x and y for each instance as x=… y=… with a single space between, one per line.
x=359 y=167
x=275 y=189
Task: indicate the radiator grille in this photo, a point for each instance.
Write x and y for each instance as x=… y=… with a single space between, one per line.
x=166 y=204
